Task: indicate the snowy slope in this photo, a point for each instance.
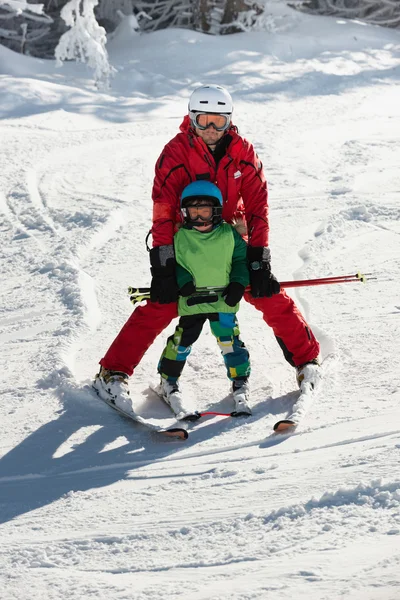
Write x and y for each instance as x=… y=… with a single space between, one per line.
x=93 y=506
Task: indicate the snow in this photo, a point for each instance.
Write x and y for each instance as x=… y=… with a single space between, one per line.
x=93 y=506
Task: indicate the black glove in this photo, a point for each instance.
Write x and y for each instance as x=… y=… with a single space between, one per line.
x=164 y=288
x=233 y=293
x=262 y=282
x=188 y=289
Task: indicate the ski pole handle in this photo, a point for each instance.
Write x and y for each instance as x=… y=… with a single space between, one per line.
x=141 y=293
x=138 y=294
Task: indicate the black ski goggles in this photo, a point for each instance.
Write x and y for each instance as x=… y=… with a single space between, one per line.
x=203 y=120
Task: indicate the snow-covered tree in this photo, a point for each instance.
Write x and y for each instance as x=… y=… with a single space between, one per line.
x=85 y=41
x=22 y=23
x=77 y=28
x=161 y=14
x=378 y=12
x=210 y=16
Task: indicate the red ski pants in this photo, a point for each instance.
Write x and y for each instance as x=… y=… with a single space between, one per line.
x=147 y=322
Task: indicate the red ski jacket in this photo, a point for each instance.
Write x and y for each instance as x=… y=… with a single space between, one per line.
x=239 y=175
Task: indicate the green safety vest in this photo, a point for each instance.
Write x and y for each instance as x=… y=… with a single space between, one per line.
x=207 y=259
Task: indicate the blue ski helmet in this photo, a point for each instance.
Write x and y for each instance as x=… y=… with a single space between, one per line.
x=198 y=192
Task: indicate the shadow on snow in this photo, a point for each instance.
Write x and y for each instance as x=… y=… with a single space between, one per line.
x=31 y=476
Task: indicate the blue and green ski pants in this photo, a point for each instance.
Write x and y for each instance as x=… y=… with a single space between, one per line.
x=224 y=327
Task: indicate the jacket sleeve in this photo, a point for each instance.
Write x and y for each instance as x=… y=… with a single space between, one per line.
x=239 y=270
x=255 y=196
x=171 y=176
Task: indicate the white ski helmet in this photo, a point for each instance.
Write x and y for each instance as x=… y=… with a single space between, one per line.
x=210 y=99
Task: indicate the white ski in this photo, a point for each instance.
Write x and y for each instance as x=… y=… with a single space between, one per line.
x=299 y=410
x=305 y=400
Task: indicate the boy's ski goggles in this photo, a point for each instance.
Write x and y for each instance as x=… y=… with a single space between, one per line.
x=203 y=121
x=205 y=213
x=201 y=213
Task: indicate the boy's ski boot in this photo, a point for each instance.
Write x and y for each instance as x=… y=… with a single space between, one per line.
x=171 y=394
x=310 y=373
x=112 y=387
x=240 y=392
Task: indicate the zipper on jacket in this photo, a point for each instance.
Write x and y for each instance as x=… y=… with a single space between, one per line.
x=230 y=160
x=208 y=159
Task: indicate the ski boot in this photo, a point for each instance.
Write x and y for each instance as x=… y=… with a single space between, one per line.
x=240 y=392
x=112 y=387
x=310 y=373
x=171 y=394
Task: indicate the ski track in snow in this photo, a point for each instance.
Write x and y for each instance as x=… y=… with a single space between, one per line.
x=235 y=512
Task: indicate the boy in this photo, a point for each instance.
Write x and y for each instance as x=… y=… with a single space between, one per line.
x=209 y=254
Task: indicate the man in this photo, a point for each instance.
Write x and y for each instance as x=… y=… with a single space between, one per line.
x=208 y=147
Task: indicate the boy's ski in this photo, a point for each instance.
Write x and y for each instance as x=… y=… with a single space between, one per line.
x=172 y=432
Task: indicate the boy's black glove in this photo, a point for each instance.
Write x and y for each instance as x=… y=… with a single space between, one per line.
x=262 y=282
x=188 y=289
x=164 y=288
x=233 y=293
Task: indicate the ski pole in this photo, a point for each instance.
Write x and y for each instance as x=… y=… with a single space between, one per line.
x=137 y=294
x=362 y=277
